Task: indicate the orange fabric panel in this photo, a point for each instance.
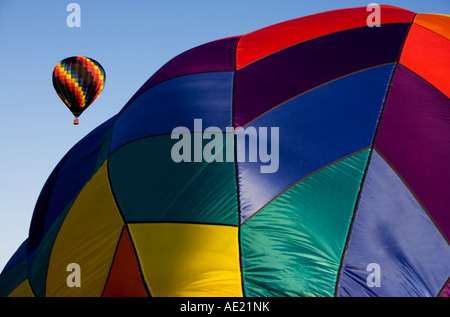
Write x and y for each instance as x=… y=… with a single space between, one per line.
x=258 y=44
x=435 y=22
x=428 y=55
x=125 y=278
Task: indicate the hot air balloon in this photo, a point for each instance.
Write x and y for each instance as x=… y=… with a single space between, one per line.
x=78 y=81
x=355 y=202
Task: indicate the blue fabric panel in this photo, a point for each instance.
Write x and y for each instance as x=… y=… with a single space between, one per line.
x=216 y=56
x=40 y=210
x=315 y=129
x=177 y=102
x=392 y=230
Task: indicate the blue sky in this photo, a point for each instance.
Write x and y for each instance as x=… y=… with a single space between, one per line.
x=132 y=40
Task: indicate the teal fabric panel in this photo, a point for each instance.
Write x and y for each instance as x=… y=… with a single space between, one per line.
x=149 y=186
x=294 y=245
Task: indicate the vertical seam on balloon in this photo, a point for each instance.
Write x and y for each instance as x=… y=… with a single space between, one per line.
x=112 y=260
x=412 y=193
x=358 y=198
x=444 y=287
x=144 y=282
x=236 y=167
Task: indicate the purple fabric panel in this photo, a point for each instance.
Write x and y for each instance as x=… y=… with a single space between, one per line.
x=210 y=57
x=391 y=229
x=414 y=135
x=279 y=77
x=214 y=56
x=446 y=292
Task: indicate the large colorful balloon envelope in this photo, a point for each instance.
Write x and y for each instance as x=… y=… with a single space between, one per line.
x=354 y=200
x=78 y=81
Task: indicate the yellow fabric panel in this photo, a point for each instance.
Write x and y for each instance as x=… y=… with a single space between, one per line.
x=188 y=260
x=438 y=23
x=23 y=290
x=88 y=237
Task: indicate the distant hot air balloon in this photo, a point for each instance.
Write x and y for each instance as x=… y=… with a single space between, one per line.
x=78 y=81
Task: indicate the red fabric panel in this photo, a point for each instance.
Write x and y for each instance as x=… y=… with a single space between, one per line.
x=258 y=44
x=427 y=54
x=125 y=278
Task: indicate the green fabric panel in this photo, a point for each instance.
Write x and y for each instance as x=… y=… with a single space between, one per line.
x=293 y=246
x=149 y=186
x=12 y=278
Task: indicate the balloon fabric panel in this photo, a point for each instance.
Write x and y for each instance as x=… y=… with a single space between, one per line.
x=414 y=135
x=187 y=191
x=124 y=279
x=216 y=56
x=205 y=95
x=311 y=125
x=192 y=260
x=434 y=22
x=66 y=181
x=93 y=213
x=401 y=240
x=284 y=75
x=301 y=234
x=261 y=43
x=425 y=54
